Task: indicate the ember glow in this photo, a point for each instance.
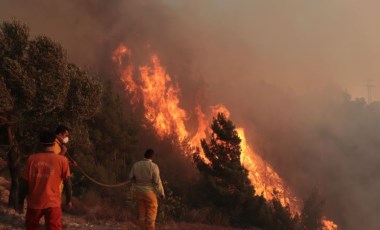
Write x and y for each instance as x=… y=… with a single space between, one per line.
x=328 y=224
x=159 y=95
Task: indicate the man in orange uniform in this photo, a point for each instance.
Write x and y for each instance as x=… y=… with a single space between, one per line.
x=146 y=176
x=62 y=138
x=40 y=182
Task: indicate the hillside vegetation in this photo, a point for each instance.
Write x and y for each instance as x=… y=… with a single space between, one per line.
x=40 y=88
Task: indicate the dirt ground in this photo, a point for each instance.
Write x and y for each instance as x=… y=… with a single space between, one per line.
x=10 y=219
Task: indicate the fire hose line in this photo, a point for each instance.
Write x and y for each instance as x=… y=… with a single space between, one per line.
x=94 y=180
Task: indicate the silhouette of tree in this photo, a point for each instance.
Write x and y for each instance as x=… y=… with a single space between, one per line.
x=312 y=211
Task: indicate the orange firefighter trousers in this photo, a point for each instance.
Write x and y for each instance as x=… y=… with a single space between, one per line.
x=147 y=208
x=52 y=216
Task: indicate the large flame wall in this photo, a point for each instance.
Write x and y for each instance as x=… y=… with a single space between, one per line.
x=159 y=95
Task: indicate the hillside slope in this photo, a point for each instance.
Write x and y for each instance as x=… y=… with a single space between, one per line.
x=9 y=219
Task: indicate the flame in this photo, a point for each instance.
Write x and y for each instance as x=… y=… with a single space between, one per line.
x=160 y=98
x=262 y=176
x=161 y=102
x=119 y=53
x=201 y=131
x=158 y=94
x=328 y=224
x=126 y=76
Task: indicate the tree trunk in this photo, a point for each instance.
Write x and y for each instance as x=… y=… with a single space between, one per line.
x=14 y=167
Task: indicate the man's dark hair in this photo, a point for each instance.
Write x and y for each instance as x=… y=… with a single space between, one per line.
x=149 y=153
x=61 y=129
x=47 y=138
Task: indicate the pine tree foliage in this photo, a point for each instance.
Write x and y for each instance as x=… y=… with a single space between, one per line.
x=224 y=185
x=224 y=180
x=221 y=165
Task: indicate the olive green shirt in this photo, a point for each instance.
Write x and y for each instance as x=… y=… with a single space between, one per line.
x=146 y=176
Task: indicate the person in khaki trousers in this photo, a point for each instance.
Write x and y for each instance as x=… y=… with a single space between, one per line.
x=147 y=183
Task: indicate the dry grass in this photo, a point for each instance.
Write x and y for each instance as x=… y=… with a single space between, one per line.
x=9 y=219
x=189 y=226
x=96 y=217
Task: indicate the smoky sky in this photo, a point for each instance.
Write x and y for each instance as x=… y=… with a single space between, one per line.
x=289 y=71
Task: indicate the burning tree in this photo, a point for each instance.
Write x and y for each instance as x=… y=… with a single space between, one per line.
x=235 y=179
x=223 y=160
x=225 y=185
x=228 y=186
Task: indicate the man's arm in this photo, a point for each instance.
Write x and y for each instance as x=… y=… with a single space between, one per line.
x=132 y=174
x=157 y=182
x=67 y=187
x=23 y=192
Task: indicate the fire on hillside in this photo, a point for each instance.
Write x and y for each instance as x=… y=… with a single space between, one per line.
x=155 y=90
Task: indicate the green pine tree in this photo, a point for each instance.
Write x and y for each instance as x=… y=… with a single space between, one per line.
x=225 y=188
x=227 y=184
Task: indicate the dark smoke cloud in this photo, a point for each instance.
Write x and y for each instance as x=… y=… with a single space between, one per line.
x=282 y=67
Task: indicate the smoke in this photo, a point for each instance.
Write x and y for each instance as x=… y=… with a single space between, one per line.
x=284 y=68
